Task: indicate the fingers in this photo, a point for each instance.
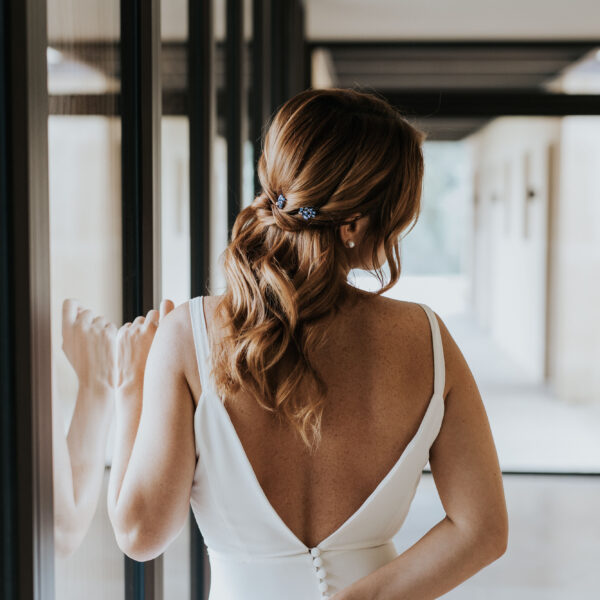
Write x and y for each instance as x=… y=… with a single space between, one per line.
x=112 y=328
x=166 y=306
x=72 y=312
x=154 y=316
x=84 y=316
x=69 y=310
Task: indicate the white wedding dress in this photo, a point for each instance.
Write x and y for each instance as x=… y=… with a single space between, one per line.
x=253 y=554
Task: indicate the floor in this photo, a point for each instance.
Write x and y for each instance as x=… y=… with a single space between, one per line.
x=554 y=539
x=533 y=430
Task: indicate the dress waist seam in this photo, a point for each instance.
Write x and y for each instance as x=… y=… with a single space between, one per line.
x=254 y=557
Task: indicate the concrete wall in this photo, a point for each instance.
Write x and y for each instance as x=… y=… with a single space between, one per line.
x=510 y=237
x=536 y=266
x=574 y=349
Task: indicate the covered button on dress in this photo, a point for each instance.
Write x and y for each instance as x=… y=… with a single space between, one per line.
x=253 y=554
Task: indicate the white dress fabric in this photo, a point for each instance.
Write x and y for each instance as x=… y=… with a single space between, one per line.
x=253 y=554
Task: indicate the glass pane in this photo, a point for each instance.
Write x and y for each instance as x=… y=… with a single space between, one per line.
x=503 y=249
x=175 y=209
x=175 y=225
x=176 y=565
x=248 y=160
x=84 y=133
x=490 y=255
x=218 y=208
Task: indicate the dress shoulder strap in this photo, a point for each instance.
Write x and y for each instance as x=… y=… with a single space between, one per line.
x=438 y=352
x=201 y=341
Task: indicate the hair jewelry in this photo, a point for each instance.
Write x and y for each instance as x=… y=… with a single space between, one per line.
x=281 y=201
x=308 y=212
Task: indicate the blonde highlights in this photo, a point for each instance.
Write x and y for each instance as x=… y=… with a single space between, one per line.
x=342 y=152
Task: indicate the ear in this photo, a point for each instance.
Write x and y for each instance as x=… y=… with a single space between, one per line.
x=348 y=228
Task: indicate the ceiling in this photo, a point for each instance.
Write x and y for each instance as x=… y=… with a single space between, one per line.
x=452 y=19
x=363 y=19
x=458 y=66
x=452 y=88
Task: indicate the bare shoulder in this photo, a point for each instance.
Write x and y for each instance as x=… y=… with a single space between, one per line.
x=178 y=321
x=411 y=320
x=210 y=305
x=176 y=337
x=460 y=382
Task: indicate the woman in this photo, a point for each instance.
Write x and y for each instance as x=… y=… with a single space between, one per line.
x=297 y=412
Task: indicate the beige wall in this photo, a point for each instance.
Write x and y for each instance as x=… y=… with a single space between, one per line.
x=536 y=266
x=510 y=238
x=575 y=278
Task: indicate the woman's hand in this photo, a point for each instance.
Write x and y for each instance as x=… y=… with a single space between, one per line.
x=133 y=345
x=89 y=345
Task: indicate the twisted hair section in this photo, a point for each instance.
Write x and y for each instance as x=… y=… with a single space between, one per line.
x=342 y=152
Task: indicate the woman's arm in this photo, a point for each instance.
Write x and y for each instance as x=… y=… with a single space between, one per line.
x=465 y=469
x=154 y=456
x=79 y=457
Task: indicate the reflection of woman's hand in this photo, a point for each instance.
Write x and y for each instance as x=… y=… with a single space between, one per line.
x=79 y=457
x=133 y=345
x=89 y=344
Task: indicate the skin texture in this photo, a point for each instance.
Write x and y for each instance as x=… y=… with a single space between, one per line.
x=378 y=406
x=78 y=457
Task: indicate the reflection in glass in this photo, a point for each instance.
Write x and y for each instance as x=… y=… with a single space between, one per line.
x=218 y=207
x=79 y=456
x=248 y=150
x=85 y=262
x=85 y=265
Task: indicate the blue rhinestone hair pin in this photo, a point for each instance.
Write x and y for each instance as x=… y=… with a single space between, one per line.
x=281 y=201
x=308 y=212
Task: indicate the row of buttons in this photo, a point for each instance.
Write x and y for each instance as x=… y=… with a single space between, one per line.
x=320 y=571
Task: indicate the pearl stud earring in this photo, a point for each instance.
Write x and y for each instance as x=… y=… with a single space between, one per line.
x=350 y=244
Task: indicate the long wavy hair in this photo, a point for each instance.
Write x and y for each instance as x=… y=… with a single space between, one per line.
x=342 y=152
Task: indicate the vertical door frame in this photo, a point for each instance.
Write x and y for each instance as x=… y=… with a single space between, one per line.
x=288 y=50
x=140 y=181
x=202 y=126
x=26 y=521
x=280 y=65
x=235 y=110
x=202 y=122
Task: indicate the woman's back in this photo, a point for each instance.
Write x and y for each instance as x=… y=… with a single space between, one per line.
x=378 y=364
x=380 y=419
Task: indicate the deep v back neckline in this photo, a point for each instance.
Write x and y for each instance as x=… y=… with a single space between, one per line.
x=209 y=391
